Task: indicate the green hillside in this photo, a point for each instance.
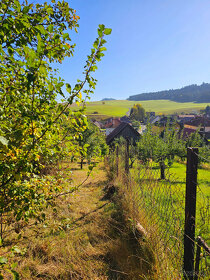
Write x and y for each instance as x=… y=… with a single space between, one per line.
x=191 y=93
x=121 y=107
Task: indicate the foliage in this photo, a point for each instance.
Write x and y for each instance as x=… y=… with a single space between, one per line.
x=91 y=144
x=169 y=144
x=7 y=269
x=161 y=148
x=194 y=140
x=33 y=125
x=207 y=110
x=204 y=154
x=137 y=113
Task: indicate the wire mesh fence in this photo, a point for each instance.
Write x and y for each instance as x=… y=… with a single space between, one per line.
x=160 y=206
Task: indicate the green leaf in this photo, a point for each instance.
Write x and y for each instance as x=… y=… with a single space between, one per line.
x=41 y=29
x=100 y=33
x=95 y=44
x=66 y=36
x=68 y=88
x=102 y=49
x=107 y=31
x=101 y=27
x=26 y=9
x=3 y=260
x=3 y=141
x=50 y=28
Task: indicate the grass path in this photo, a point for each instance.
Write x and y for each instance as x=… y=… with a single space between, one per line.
x=85 y=236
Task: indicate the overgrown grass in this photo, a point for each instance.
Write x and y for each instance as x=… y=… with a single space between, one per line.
x=85 y=235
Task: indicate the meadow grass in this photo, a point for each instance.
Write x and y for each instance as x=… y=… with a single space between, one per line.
x=178 y=171
x=162 y=204
x=118 y=108
x=172 y=191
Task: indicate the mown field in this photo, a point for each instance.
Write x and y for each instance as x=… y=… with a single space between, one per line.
x=119 y=108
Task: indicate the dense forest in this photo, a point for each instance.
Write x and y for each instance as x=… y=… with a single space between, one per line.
x=191 y=93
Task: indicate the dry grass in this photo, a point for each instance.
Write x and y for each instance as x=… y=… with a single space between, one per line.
x=83 y=237
x=158 y=260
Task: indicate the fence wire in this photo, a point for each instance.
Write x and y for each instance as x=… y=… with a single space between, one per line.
x=161 y=209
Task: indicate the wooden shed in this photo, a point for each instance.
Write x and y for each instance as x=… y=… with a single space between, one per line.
x=124 y=130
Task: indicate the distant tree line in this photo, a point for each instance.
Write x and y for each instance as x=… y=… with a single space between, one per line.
x=191 y=93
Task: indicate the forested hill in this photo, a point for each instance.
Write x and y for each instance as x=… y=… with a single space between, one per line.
x=192 y=93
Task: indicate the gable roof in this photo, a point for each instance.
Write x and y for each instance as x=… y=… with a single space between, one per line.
x=115 y=133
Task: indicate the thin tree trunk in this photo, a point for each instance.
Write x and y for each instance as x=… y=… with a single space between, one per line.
x=81 y=164
x=162 y=170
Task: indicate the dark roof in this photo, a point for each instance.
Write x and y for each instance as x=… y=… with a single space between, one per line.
x=199 y=121
x=118 y=130
x=164 y=120
x=187 y=131
x=125 y=119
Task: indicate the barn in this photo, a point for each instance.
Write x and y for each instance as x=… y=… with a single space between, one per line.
x=124 y=130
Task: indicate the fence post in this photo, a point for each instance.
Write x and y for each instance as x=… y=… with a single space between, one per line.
x=117 y=160
x=197 y=259
x=200 y=243
x=127 y=157
x=190 y=210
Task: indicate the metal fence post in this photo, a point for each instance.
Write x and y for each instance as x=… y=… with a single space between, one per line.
x=190 y=210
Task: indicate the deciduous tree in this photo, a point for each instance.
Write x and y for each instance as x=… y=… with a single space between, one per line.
x=33 y=124
x=137 y=112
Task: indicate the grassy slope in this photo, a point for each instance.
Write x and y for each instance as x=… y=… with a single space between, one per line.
x=121 y=107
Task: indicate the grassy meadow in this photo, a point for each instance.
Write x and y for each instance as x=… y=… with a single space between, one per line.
x=118 y=108
x=170 y=193
x=178 y=173
x=161 y=207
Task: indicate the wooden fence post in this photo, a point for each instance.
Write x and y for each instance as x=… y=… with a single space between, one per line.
x=190 y=210
x=200 y=243
x=127 y=157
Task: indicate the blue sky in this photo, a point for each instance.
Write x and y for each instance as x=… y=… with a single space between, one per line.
x=154 y=45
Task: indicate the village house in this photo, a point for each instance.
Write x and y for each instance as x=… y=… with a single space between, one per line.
x=160 y=124
x=185 y=118
x=111 y=124
x=199 y=123
x=124 y=130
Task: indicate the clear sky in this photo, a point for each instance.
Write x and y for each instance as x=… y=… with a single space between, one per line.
x=154 y=45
